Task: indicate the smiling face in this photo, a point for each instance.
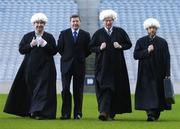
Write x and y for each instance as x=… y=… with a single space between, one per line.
x=152 y=31
x=75 y=23
x=108 y=22
x=39 y=26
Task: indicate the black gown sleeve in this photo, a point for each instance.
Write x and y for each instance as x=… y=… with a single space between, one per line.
x=60 y=45
x=24 y=46
x=139 y=52
x=50 y=47
x=87 y=50
x=126 y=41
x=167 y=59
x=94 y=46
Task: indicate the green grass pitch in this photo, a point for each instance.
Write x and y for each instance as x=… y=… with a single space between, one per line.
x=134 y=120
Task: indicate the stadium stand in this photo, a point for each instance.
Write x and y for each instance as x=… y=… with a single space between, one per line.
x=131 y=17
x=15 y=22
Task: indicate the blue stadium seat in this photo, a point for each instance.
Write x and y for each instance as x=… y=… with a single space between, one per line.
x=15 y=22
x=131 y=17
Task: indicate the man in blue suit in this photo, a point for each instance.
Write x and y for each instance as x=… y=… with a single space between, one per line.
x=73 y=48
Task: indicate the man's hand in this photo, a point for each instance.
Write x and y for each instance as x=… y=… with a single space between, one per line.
x=150 y=48
x=117 y=45
x=103 y=46
x=41 y=42
x=33 y=42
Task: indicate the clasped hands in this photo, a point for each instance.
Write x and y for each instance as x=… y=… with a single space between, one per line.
x=39 y=41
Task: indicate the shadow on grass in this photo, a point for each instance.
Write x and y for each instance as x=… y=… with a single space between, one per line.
x=92 y=119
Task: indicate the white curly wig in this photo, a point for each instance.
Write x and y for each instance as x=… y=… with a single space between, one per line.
x=39 y=17
x=151 y=22
x=107 y=13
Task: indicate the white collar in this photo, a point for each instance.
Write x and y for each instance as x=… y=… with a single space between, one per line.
x=37 y=34
x=108 y=29
x=152 y=37
x=74 y=30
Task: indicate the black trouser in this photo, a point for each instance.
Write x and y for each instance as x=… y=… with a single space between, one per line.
x=104 y=98
x=153 y=113
x=78 y=85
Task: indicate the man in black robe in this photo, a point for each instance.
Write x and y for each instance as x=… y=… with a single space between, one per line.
x=73 y=46
x=154 y=65
x=111 y=77
x=33 y=92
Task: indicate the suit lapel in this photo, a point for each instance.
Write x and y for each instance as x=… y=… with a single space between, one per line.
x=70 y=36
x=79 y=36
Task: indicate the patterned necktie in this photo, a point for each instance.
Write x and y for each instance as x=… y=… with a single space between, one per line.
x=109 y=32
x=75 y=36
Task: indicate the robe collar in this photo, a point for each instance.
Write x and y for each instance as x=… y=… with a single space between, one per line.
x=152 y=37
x=111 y=30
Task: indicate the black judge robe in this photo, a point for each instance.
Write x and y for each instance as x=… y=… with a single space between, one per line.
x=34 y=87
x=152 y=69
x=110 y=69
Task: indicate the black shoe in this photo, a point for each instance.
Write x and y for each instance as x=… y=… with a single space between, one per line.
x=103 y=116
x=110 y=119
x=151 y=118
x=31 y=115
x=65 y=117
x=157 y=115
x=77 y=117
x=34 y=116
x=111 y=116
x=40 y=118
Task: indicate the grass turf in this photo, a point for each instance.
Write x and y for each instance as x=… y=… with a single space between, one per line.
x=134 y=120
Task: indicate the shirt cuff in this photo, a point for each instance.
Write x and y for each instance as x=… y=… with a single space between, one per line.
x=43 y=44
